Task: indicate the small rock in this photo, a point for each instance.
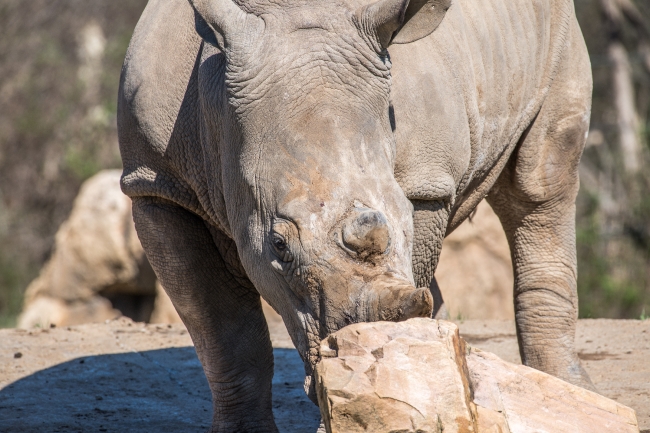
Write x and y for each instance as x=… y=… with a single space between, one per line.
x=18 y=355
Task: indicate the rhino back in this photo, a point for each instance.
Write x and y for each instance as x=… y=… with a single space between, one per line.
x=461 y=98
x=464 y=95
x=158 y=113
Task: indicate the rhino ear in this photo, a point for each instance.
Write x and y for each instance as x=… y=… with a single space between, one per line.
x=218 y=21
x=404 y=21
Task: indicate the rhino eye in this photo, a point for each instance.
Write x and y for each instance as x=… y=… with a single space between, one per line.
x=279 y=243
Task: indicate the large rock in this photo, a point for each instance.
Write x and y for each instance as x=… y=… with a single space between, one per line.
x=98 y=269
x=521 y=399
x=419 y=376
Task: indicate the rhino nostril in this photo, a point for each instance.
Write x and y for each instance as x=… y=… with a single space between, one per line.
x=366 y=232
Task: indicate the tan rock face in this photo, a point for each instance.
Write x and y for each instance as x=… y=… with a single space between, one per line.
x=97 y=256
x=395 y=377
x=419 y=376
x=475 y=271
x=44 y=310
x=516 y=398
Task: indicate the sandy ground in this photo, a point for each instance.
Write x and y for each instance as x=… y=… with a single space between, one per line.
x=124 y=376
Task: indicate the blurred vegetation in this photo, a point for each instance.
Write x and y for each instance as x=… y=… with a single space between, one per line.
x=60 y=62
x=59 y=66
x=613 y=208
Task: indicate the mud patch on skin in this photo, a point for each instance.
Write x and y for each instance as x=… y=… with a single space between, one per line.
x=314 y=189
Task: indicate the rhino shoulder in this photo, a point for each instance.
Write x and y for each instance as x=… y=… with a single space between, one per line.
x=158 y=105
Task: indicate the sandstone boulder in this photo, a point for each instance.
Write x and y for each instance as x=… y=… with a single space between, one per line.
x=475 y=270
x=98 y=269
x=420 y=376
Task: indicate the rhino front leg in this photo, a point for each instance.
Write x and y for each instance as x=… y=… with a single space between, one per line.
x=534 y=198
x=542 y=243
x=200 y=271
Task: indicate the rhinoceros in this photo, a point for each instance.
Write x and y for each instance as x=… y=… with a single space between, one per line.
x=316 y=153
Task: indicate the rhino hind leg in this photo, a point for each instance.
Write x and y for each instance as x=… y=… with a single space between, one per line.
x=200 y=270
x=534 y=198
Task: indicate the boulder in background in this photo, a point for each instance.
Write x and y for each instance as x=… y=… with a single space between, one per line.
x=98 y=269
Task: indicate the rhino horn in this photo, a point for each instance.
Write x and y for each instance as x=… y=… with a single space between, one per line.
x=366 y=232
x=398 y=303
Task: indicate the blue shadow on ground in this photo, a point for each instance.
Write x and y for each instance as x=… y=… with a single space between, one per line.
x=151 y=391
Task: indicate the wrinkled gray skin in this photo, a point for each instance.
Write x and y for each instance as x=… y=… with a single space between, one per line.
x=317 y=152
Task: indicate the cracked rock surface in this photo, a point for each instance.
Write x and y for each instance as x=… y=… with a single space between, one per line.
x=419 y=376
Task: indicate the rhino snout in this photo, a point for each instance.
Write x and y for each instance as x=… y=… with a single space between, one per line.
x=402 y=303
x=366 y=233
x=394 y=302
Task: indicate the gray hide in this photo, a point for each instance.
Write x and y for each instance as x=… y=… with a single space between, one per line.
x=317 y=152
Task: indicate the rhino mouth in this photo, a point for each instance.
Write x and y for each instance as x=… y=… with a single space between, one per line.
x=380 y=302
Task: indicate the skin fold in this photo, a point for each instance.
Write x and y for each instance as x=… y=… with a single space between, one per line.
x=317 y=153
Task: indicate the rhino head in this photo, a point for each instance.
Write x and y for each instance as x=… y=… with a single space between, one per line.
x=307 y=154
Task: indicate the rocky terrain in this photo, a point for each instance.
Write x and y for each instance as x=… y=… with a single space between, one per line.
x=126 y=376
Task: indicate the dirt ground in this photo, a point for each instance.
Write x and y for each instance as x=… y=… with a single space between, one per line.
x=125 y=376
